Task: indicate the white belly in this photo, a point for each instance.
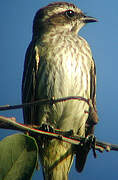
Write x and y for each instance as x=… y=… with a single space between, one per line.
x=60 y=77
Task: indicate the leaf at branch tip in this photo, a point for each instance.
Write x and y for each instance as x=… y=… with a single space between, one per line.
x=18 y=157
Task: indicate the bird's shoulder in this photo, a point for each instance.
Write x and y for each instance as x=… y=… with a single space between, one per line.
x=83 y=42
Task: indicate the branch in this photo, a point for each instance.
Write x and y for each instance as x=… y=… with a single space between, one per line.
x=10 y=123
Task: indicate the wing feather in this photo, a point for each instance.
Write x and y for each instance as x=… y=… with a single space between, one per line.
x=93 y=117
x=29 y=81
x=82 y=152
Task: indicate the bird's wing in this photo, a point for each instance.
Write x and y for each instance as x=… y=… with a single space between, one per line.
x=82 y=152
x=29 y=81
x=93 y=117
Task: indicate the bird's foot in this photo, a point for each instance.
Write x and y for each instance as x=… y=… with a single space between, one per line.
x=69 y=133
x=89 y=143
x=47 y=128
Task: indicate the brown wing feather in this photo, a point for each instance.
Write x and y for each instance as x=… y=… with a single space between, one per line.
x=82 y=152
x=93 y=117
x=29 y=82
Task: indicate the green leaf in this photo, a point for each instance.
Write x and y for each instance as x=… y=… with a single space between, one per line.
x=18 y=157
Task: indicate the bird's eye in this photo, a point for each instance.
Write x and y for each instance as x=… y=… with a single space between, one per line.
x=70 y=13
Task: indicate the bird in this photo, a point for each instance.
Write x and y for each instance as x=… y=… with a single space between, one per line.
x=59 y=63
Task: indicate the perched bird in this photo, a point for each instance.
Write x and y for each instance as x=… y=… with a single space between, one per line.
x=59 y=64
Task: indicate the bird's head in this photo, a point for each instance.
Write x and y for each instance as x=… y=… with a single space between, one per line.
x=61 y=15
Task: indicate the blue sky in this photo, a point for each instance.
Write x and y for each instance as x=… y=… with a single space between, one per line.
x=15 y=34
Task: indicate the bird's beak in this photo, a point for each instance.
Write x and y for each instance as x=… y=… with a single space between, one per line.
x=89 y=19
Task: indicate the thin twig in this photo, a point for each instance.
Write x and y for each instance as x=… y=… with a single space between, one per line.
x=42 y=102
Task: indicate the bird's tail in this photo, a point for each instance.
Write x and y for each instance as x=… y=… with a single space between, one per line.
x=56 y=158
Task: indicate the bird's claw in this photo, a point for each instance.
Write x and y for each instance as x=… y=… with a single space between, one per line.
x=90 y=142
x=47 y=128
